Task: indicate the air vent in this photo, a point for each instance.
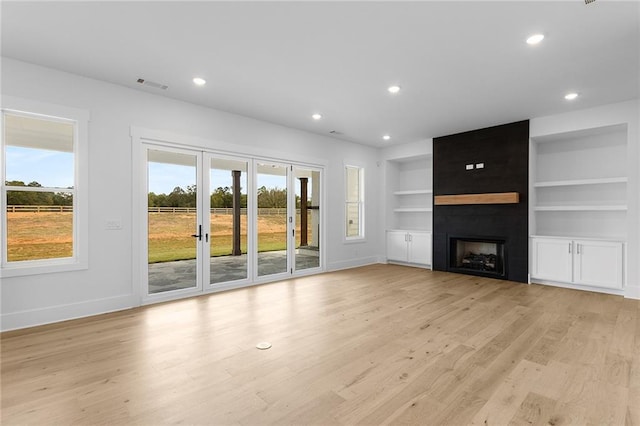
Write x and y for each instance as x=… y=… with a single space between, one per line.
x=588 y=1
x=152 y=84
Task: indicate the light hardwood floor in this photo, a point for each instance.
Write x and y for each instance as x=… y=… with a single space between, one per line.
x=373 y=345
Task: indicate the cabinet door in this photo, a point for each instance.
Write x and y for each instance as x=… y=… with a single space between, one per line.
x=397 y=245
x=552 y=259
x=598 y=263
x=420 y=248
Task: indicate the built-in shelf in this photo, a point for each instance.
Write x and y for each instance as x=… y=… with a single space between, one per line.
x=580 y=208
x=409 y=197
x=413 y=192
x=412 y=209
x=580 y=182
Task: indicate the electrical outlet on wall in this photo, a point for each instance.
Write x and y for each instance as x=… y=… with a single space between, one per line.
x=112 y=224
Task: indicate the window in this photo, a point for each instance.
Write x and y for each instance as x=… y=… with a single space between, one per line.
x=354 y=205
x=43 y=207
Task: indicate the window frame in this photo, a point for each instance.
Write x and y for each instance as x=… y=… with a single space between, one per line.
x=361 y=204
x=80 y=119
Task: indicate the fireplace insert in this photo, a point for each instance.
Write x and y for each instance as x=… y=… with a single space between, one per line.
x=477 y=256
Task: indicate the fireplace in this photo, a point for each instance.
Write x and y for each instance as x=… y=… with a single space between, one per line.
x=478 y=256
x=489 y=161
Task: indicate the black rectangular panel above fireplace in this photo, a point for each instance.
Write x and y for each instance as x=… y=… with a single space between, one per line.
x=485 y=161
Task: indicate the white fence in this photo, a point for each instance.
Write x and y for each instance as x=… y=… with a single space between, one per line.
x=69 y=209
x=39 y=209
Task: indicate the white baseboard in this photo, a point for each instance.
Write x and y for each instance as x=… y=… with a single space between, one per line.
x=632 y=292
x=52 y=314
x=613 y=291
x=352 y=263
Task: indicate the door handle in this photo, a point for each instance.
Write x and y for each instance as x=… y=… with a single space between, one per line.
x=199 y=234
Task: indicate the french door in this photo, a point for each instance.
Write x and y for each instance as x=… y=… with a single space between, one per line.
x=216 y=221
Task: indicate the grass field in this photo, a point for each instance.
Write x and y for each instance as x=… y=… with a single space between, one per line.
x=49 y=235
x=39 y=236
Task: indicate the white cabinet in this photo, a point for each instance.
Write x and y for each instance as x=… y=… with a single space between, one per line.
x=409 y=246
x=578 y=261
x=552 y=259
x=598 y=263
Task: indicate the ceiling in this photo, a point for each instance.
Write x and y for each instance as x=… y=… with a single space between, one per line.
x=460 y=65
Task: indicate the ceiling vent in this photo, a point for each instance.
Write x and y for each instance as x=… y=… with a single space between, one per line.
x=152 y=84
x=588 y=1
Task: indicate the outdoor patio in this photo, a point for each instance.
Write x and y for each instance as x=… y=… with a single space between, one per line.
x=167 y=276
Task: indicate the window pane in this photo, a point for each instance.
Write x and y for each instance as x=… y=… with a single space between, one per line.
x=353 y=184
x=172 y=220
x=39 y=152
x=39 y=225
x=353 y=219
x=228 y=242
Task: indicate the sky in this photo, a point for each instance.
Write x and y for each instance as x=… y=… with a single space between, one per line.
x=163 y=178
x=55 y=169
x=48 y=168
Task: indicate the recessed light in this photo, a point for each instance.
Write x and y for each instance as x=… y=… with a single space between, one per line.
x=386 y=137
x=316 y=116
x=199 y=81
x=570 y=96
x=393 y=89
x=535 y=39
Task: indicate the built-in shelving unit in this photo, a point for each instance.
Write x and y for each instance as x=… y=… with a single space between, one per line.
x=413 y=210
x=410 y=199
x=580 y=183
x=579 y=208
x=414 y=192
x=409 y=206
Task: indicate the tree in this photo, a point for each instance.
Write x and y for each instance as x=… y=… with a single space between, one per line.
x=29 y=198
x=272 y=197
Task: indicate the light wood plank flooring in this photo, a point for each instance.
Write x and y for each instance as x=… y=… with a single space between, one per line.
x=373 y=345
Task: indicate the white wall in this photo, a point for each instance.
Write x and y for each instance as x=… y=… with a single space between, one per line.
x=619 y=113
x=108 y=284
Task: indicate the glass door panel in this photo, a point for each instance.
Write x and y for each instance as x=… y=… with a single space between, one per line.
x=173 y=233
x=228 y=224
x=272 y=223
x=307 y=235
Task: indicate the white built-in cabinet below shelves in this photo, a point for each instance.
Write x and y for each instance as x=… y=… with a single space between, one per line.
x=409 y=247
x=593 y=263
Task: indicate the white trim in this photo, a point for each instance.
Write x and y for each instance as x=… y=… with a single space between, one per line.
x=362 y=236
x=353 y=263
x=197 y=289
x=617 y=292
x=80 y=119
x=161 y=137
x=142 y=138
x=58 y=313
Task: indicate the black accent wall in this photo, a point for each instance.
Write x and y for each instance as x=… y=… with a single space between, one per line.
x=504 y=150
